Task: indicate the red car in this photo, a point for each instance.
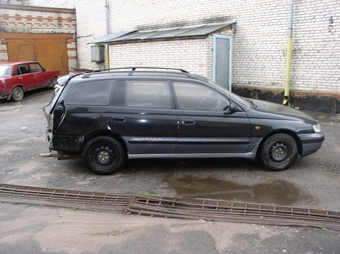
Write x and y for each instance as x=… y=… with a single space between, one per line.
x=19 y=77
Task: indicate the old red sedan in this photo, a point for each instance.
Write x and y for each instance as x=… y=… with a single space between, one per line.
x=19 y=77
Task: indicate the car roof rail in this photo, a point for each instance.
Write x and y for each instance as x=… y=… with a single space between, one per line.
x=134 y=70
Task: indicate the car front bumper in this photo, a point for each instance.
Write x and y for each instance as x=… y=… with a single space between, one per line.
x=311 y=142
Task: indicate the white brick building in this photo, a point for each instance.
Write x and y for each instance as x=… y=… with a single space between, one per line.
x=259 y=41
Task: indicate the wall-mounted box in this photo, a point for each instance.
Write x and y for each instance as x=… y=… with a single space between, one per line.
x=97 y=54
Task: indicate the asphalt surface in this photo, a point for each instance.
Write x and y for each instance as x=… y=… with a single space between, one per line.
x=312 y=182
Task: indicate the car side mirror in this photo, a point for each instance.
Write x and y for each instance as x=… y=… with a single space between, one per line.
x=230 y=109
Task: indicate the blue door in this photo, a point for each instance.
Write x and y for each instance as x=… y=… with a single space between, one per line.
x=222 y=61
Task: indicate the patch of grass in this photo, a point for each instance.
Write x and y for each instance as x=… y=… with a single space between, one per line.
x=235 y=200
x=147 y=194
x=334 y=108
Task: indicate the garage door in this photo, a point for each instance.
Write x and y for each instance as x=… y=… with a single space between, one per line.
x=49 y=50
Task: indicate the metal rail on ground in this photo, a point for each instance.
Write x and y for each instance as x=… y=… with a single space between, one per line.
x=83 y=200
x=169 y=207
x=219 y=210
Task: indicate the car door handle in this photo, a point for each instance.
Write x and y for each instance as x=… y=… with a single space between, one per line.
x=188 y=122
x=120 y=120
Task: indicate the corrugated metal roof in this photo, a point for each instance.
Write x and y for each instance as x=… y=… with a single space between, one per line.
x=110 y=37
x=177 y=32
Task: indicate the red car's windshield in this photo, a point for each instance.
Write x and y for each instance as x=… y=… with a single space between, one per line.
x=5 y=70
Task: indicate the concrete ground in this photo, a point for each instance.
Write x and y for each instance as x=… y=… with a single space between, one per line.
x=311 y=182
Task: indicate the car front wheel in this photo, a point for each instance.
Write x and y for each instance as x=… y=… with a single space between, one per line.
x=104 y=155
x=17 y=94
x=278 y=152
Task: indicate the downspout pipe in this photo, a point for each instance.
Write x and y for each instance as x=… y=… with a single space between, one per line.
x=107 y=53
x=286 y=100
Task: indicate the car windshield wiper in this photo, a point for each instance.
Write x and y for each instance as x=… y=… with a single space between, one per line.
x=252 y=103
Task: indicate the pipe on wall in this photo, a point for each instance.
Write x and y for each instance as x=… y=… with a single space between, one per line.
x=286 y=99
x=107 y=53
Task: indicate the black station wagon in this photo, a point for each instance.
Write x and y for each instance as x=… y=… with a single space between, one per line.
x=109 y=116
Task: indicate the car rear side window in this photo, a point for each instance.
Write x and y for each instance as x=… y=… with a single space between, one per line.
x=23 y=69
x=90 y=93
x=148 y=94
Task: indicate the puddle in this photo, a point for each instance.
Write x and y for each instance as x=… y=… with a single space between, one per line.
x=276 y=192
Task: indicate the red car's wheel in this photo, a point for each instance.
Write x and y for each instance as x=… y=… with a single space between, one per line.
x=17 y=94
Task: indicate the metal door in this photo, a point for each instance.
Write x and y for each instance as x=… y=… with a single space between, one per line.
x=50 y=50
x=222 y=61
x=26 y=52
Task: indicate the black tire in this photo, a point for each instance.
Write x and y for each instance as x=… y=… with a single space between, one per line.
x=104 y=155
x=17 y=94
x=278 y=152
x=53 y=82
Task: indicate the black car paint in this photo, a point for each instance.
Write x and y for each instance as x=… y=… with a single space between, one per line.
x=174 y=133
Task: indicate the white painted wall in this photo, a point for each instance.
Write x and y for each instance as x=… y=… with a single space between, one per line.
x=259 y=45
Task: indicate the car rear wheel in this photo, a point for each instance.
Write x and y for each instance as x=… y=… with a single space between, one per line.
x=278 y=152
x=104 y=155
x=17 y=94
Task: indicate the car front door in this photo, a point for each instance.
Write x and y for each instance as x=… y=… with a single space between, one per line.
x=40 y=77
x=203 y=124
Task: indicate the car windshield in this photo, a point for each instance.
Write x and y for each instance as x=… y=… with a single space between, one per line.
x=5 y=70
x=235 y=97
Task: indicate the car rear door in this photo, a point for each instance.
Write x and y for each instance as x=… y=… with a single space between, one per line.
x=203 y=125
x=144 y=116
x=25 y=77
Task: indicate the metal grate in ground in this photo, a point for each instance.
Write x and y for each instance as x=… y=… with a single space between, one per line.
x=217 y=210
x=167 y=207
x=83 y=200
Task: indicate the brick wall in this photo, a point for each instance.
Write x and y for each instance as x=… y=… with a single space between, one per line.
x=3 y=50
x=91 y=24
x=25 y=19
x=38 y=20
x=191 y=55
x=259 y=44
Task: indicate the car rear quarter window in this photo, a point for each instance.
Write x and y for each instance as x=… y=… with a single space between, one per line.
x=5 y=70
x=193 y=96
x=148 y=94
x=95 y=93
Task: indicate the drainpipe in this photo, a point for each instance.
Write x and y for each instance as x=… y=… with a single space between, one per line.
x=286 y=100
x=107 y=53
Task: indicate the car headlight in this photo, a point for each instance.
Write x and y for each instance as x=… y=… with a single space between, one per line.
x=317 y=128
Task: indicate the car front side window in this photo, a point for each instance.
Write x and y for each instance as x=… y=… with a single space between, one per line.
x=193 y=96
x=35 y=67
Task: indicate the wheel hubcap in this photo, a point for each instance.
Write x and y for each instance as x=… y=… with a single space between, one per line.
x=279 y=151
x=16 y=93
x=104 y=155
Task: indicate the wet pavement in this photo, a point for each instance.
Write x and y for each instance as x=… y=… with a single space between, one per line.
x=312 y=182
